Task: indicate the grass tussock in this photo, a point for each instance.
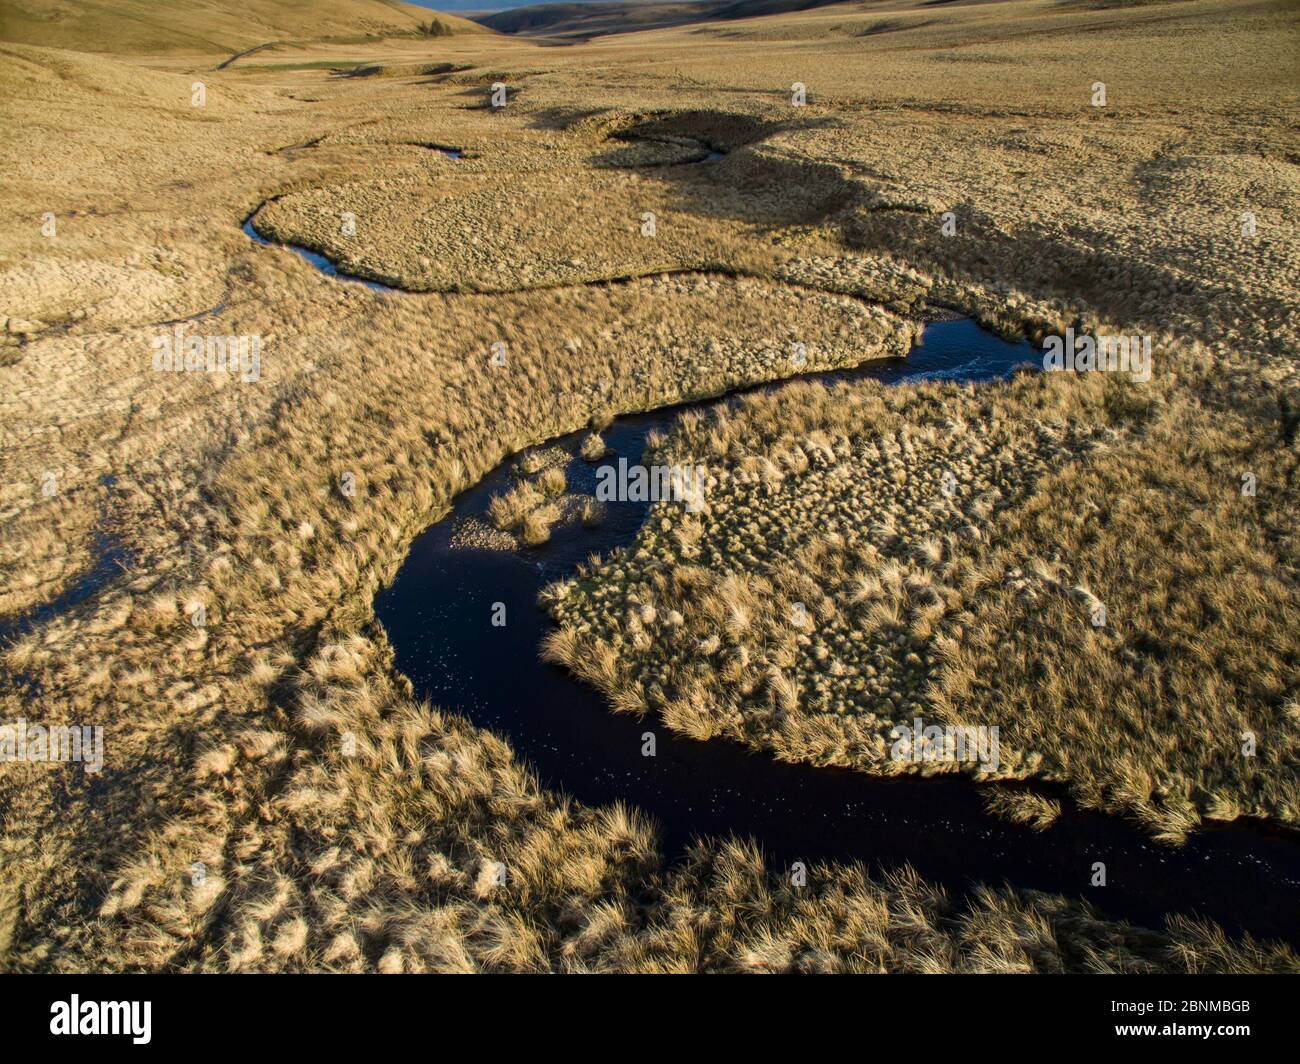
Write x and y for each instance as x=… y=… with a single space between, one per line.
x=1001 y=559
x=273 y=798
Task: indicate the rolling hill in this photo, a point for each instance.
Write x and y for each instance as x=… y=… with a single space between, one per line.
x=142 y=26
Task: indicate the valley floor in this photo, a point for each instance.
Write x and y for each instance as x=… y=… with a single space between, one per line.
x=275 y=796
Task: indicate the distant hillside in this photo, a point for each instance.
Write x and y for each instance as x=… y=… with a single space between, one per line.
x=591 y=20
x=162 y=26
x=625 y=16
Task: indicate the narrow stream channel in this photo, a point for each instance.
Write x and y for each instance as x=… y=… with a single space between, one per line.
x=438 y=617
x=109 y=559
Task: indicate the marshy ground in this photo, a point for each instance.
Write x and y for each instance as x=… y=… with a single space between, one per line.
x=276 y=796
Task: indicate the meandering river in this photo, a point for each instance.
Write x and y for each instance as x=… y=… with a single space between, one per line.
x=438 y=615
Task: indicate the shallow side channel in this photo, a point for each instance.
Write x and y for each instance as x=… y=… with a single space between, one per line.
x=438 y=617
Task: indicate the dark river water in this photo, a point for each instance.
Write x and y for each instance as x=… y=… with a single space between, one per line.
x=438 y=615
x=110 y=560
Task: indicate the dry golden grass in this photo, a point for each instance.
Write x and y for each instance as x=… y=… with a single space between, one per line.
x=869 y=556
x=1023 y=807
x=202 y=27
x=273 y=797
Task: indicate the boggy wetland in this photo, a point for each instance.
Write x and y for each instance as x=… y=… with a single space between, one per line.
x=802 y=493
